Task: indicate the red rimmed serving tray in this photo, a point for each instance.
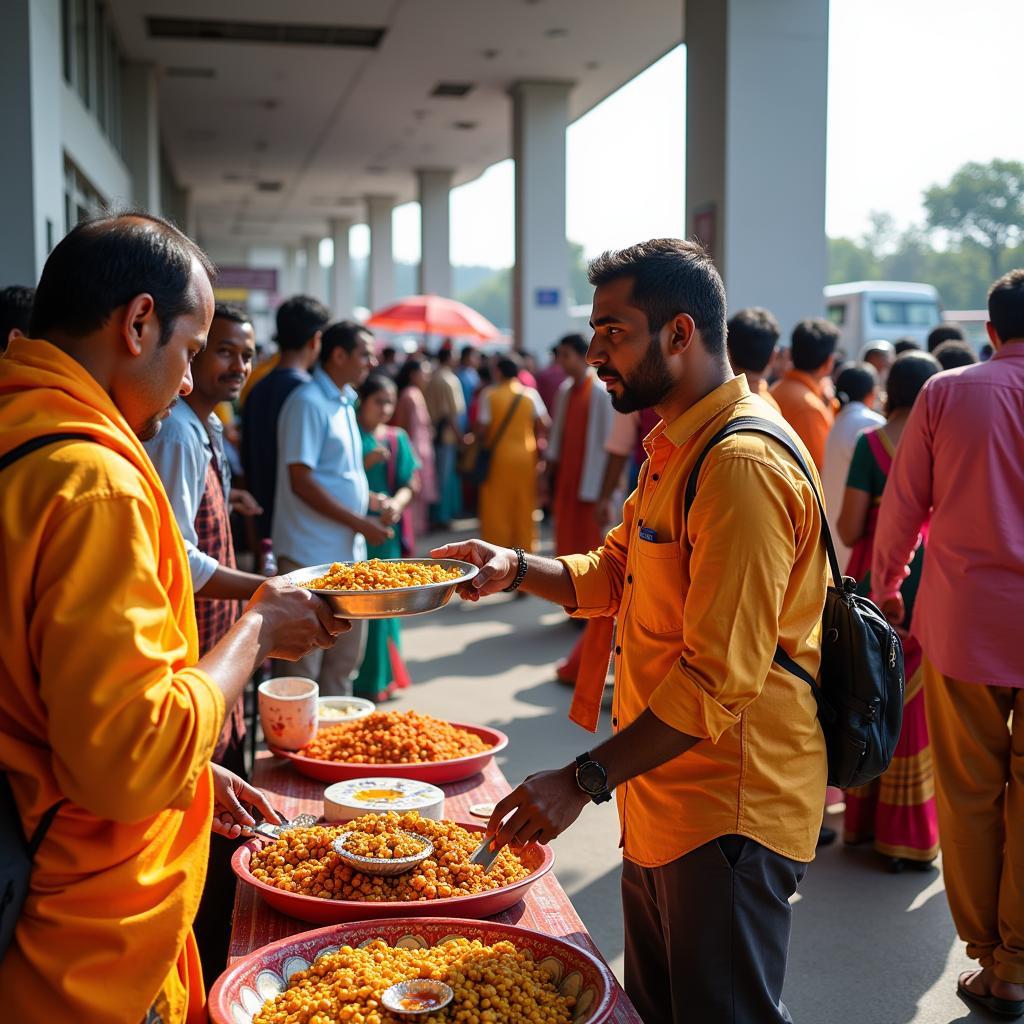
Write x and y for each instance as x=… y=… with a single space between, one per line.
x=240 y=992
x=316 y=910
x=437 y=772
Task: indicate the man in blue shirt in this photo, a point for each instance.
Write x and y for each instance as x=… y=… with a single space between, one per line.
x=300 y=324
x=322 y=495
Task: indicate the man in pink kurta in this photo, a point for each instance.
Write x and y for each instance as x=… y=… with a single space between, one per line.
x=962 y=457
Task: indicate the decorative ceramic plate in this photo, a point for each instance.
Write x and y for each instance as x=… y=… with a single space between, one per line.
x=538 y=860
x=454 y=770
x=239 y=993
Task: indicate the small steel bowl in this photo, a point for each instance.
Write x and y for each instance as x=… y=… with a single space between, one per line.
x=387 y=867
x=436 y=994
x=387 y=604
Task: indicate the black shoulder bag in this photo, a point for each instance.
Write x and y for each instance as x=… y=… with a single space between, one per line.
x=17 y=852
x=859 y=689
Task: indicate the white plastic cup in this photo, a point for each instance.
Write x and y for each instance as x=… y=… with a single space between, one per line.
x=289 y=709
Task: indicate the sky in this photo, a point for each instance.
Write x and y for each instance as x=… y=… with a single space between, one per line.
x=915 y=89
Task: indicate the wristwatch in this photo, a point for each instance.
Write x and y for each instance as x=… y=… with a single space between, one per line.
x=592 y=778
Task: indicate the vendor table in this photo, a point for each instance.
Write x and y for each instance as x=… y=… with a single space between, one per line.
x=546 y=907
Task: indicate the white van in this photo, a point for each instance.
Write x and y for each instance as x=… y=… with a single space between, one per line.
x=882 y=311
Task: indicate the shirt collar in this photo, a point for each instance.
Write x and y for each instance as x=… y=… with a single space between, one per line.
x=1012 y=350
x=806 y=379
x=344 y=396
x=685 y=426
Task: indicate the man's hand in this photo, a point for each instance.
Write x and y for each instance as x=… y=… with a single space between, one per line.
x=544 y=806
x=294 y=621
x=894 y=610
x=231 y=797
x=244 y=503
x=389 y=512
x=498 y=566
x=374 y=531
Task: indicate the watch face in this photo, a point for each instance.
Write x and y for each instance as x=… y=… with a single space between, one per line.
x=593 y=779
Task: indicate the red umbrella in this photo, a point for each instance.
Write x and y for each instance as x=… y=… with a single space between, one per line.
x=432 y=314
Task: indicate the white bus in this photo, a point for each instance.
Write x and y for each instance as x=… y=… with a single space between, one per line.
x=882 y=311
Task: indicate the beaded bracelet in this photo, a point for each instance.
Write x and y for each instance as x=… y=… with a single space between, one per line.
x=520 y=572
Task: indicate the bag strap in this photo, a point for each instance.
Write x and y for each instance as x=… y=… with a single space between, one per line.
x=505 y=422
x=8 y=459
x=757 y=425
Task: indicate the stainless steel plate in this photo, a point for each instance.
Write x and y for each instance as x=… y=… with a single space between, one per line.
x=388 y=604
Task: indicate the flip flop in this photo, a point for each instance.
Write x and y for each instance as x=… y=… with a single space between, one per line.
x=1009 y=1008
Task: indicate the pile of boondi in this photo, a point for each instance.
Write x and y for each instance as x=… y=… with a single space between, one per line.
x=383 y=845
x=394 y=737
x=491 y=984
x=377 y=574
x=304 y=861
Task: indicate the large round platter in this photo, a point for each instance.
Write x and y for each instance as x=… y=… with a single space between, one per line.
x=240 y=992
x=454 y=770
x=315 y=910
x=388 y=604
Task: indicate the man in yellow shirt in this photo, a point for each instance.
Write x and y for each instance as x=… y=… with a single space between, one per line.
x=717 y=761
x=804 y=394
x=104 y=704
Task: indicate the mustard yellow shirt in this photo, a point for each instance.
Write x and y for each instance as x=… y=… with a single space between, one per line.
x=99 y=705
x=700 y=610
x=801 y=401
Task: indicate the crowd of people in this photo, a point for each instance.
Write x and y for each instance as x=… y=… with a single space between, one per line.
x=157 y=471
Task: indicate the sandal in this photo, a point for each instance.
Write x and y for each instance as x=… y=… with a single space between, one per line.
x=1009 y=1008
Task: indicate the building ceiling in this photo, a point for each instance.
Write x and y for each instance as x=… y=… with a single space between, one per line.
x=279 y=116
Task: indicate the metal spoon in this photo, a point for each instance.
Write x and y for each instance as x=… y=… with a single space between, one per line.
x=268 y=831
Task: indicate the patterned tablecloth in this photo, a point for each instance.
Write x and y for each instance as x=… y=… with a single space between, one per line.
x=546 y=908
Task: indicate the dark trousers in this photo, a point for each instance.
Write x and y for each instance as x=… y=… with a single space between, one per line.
x=707 y=936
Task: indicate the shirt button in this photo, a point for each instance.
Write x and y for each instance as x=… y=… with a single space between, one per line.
x=656 y=476
x=618 y=650
x=615 y=723
x=629 y=578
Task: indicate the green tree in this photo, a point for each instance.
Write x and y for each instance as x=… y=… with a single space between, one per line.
x=982 y=203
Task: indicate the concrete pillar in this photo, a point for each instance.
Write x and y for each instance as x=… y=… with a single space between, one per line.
x=381 y=279
x=342 y=299
x=540 y=311
x=756 y=90
x=31 y=173
x=289 y=283
x=142 y=134
x=314 y=278
x=435 y=275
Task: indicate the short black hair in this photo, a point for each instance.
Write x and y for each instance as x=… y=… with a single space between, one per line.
x=952 y=354
x=15 y=310
x=508 y=367
x=944 y=332
x=389 y=352
x=576 y=342
x=227 y=311
x=906 y=345
x=103 y=263
x=466 y=353
x=670 y=276
x=814 y=341
x=1006 y=306
x=298 y=319
x=855 y=382
x=752 y=336
x=445 y=355
x=908 y=375
x=345 y=335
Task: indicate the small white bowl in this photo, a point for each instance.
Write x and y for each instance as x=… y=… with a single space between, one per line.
x=436 y=994
x=354 y=708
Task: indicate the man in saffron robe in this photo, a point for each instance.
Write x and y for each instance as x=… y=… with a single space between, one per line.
x=105 y=707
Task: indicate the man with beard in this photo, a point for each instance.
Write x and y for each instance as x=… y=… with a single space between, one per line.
x=717 y=758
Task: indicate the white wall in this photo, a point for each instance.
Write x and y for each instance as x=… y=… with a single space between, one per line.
x=92 y=151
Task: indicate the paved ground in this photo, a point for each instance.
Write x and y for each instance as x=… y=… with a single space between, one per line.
x=868 y=947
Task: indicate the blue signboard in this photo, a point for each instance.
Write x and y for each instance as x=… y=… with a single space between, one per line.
x=547 y=297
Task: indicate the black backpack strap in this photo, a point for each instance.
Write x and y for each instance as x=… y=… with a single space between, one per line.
x=8 y=459
x=34 y=444
x=757 y=425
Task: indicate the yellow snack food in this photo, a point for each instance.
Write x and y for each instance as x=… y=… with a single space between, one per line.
x=393 y=737
x=376 y=574
x=495 y=983
x=382 y=845
x=304 y=861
